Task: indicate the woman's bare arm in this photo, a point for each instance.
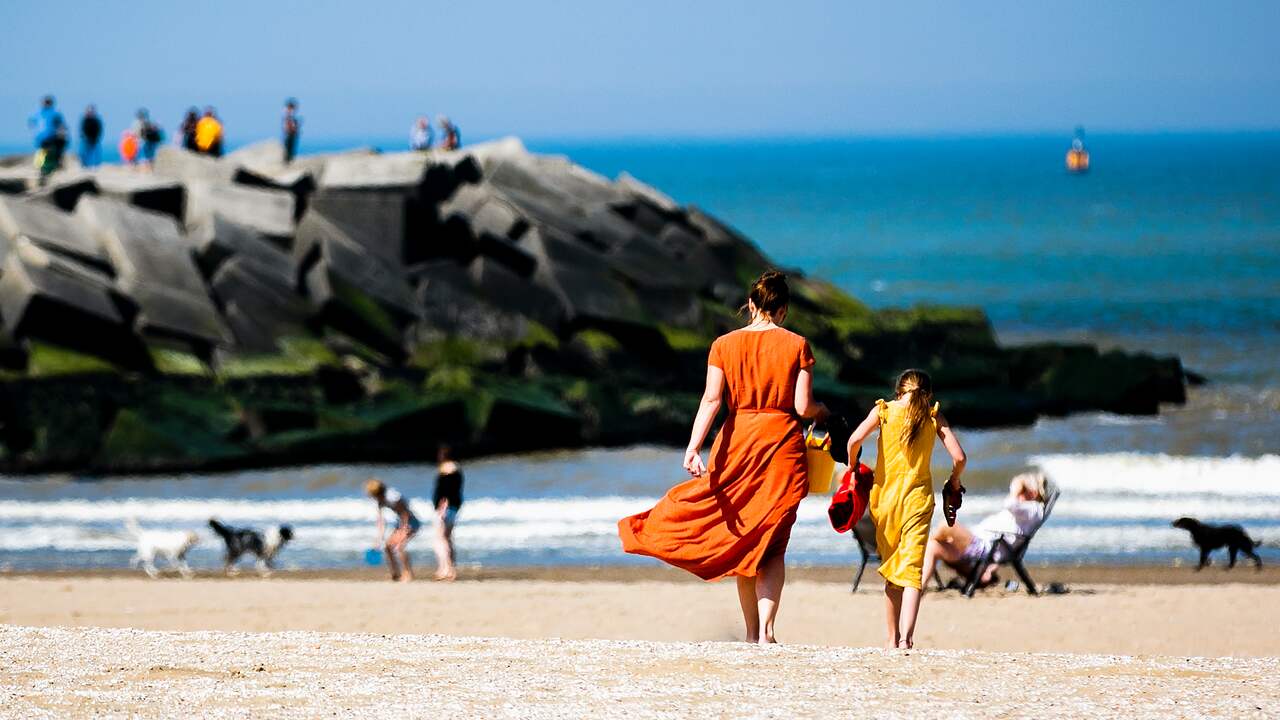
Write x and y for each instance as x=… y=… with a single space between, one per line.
x=952 y=444
x=806 y=405
x=862 y=432
x=707 y=409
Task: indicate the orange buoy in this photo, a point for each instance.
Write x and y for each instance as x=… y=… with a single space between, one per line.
x=1077 y=160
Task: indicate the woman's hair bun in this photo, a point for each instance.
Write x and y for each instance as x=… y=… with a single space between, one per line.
x=770 y=292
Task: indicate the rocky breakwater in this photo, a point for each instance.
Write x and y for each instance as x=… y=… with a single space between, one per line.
x=362 y=306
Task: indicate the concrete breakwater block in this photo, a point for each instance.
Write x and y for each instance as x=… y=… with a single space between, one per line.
x=149 y=191
x=268 y=211
x=257 y=306
x=390 y=171
x=452 y=303
x=482 y=217
x=223 y=239
x=352 y=289
x=651 y=196
x=64 y=190
x=379 y=222
x=155 y=266
x=585 y=284
x=50 y=298
x=52 y=229
x=189 y=167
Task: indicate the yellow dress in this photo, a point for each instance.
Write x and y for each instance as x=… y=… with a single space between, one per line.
x=901 y=501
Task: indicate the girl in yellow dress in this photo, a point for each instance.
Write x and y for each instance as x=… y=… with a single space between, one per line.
x=902 y=497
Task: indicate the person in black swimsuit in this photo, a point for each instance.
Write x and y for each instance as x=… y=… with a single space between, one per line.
x=447 y=498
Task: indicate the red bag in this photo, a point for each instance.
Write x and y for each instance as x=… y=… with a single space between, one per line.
x=850 y=501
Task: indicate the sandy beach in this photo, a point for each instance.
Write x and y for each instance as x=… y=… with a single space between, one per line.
x=555 y=643
x=82 y=673
x=1136 y=619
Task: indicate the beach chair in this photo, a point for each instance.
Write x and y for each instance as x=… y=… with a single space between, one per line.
x=1012 y=547
x=864 y=536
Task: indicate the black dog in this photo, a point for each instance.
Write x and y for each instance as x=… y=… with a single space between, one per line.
x=244 y=540
x=1211 y=537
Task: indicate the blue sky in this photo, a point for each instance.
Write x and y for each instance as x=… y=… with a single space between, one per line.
x=580 y=70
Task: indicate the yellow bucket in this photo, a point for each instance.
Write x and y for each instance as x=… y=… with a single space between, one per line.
x=817 y=452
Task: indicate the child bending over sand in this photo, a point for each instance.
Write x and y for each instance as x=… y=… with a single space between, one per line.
x=407 y=526
x=902 y=497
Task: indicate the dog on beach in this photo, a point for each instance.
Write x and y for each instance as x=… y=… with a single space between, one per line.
x=172 y=545
x=1211 y=537
x=241 y=541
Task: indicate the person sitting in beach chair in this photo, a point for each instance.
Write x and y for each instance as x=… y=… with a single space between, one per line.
x=1001 y=538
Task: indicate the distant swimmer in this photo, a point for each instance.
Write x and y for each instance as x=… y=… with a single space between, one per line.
x=407 y=525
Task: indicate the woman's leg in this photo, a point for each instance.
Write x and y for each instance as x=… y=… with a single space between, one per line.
x=750 y=610
x=892 y=609
x=910 y=608
x=773 y=573
x=443 y=546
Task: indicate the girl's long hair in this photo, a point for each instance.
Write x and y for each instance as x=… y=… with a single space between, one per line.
x=920 y=385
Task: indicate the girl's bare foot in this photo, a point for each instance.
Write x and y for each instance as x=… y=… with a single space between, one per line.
x=768 y=641
x=448 y=576
x=905 y=644
x=406 y=578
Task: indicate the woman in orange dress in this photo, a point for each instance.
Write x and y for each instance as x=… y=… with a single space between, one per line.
x=735 y=516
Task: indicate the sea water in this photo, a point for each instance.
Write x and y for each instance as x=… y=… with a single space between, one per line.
x=1170 y=244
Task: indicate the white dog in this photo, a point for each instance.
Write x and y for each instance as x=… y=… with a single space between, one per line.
x=172 y=545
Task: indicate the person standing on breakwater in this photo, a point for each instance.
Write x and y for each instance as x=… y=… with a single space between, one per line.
x=420 y=135
x=149 y=134
x=450 y=136
x=407 y=525
x=209 y=134
x=447 y=499
x=188 y=130
x=735 y=516
x=50 y=136
x=901 y=501
x=90 y=138
x=291 y=126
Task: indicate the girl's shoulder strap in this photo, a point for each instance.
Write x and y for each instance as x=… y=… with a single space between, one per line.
x=882 y=410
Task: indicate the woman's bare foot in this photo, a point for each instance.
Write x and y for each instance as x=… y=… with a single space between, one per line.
x=406 y=577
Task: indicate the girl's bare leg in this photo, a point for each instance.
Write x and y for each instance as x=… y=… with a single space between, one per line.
x=910 y=609
x=407 y=575
x=892 y=609
x=750 y=611
x=391 y=559
x=773 y=573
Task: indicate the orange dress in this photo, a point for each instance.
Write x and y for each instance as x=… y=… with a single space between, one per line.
x=741 y=512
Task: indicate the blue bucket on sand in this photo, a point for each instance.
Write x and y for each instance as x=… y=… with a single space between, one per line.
x=373 y=556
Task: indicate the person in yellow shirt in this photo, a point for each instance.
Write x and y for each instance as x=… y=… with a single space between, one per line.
x=209 y=134
x=901 y=502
